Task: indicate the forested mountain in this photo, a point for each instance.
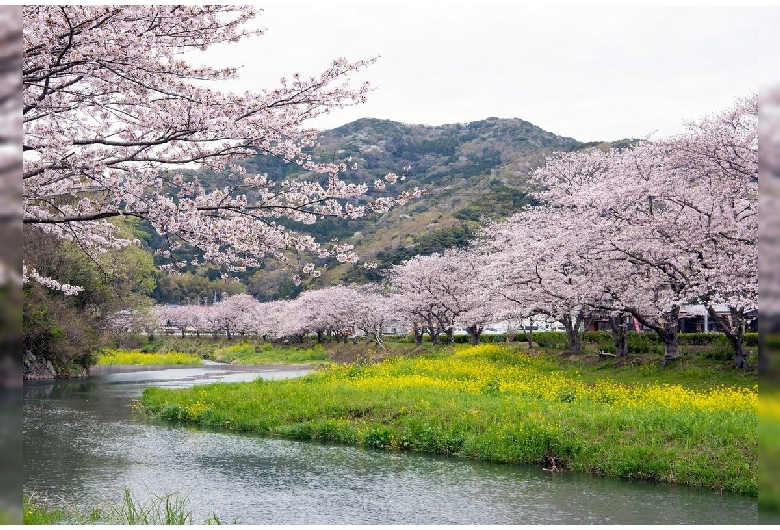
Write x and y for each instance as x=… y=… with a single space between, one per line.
x=469 y=171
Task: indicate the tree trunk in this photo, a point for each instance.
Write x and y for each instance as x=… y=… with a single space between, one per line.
x=418 y=335
x=738 y=346
x=450 y=335
x=666 y=328
x=476 y=332
x=734 y=330
x=433 y=331
x=530 y=335
x=619 y=334
x=573 y=335
x=378 y=337
x=671 y=350
x=319 y=336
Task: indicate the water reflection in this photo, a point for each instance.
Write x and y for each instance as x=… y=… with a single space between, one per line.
x=83 y=445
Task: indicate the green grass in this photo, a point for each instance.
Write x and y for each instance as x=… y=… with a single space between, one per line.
x=694 y=371
x=503 y=405
x=123 y=357
x=769 y=447
x=38 y=512
x=267 y=353
x=237 y=350
x=171 y=509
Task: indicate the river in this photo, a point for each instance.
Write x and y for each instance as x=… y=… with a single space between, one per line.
x=83 y=445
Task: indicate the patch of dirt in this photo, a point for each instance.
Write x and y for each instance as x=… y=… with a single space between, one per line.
x=367 y=352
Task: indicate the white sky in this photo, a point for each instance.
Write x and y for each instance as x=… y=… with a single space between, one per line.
x=588 y=72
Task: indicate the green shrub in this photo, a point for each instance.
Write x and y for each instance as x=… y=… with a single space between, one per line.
x=378 y=438
x=547 y=339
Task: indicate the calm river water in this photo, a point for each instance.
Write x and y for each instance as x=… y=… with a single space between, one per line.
x=83 y=445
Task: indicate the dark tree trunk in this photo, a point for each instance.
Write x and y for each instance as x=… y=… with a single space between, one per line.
x=476 y=332
x=433 y=331
x=666 y=328
x=619 y=334
x=378 y=337
x=671 y=350
x=446 y=328
x=573 y=335
x=418 y=335
x=734 y=330
x=450 y=335
x=319 y=336
x=530 y=335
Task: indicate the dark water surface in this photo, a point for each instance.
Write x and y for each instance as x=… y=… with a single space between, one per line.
x=83 y=445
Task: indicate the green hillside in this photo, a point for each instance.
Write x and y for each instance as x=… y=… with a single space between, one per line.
x=470 y=172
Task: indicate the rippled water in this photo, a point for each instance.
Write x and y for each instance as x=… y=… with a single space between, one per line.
x=83 y=445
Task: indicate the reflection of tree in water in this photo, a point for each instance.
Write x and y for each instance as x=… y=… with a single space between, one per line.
x=60 y=390
x=69 y=429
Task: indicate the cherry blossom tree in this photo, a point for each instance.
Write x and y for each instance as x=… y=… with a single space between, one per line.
x=327 y=310
x=411 y=299
x=614 y=199
x=668 y=222
x=235 y=314
x=371 y=310
x=442 y=290
x=535 y=264
x=718 y=159
x=112 y=109
x=272 y=316
x=173 y=316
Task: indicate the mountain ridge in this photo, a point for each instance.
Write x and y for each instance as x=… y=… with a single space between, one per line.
x=471 y=172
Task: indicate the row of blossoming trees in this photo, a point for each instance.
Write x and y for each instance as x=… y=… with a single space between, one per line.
x=624 y=234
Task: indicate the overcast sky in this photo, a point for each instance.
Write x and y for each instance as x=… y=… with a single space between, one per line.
x=591 y=73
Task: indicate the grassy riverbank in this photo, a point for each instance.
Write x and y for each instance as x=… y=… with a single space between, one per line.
x=502 y=405
x=161 y=510
x=169 y=350
x=267 y=353
x=133 y=357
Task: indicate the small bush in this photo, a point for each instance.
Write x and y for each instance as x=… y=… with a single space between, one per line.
x=548 y=339
x=379 y=438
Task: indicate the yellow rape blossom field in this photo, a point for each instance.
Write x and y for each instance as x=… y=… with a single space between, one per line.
x=493 y=403
x=135 y=357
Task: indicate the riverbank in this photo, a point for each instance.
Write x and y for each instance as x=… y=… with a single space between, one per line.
x=161 y=510
x=498 y=404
